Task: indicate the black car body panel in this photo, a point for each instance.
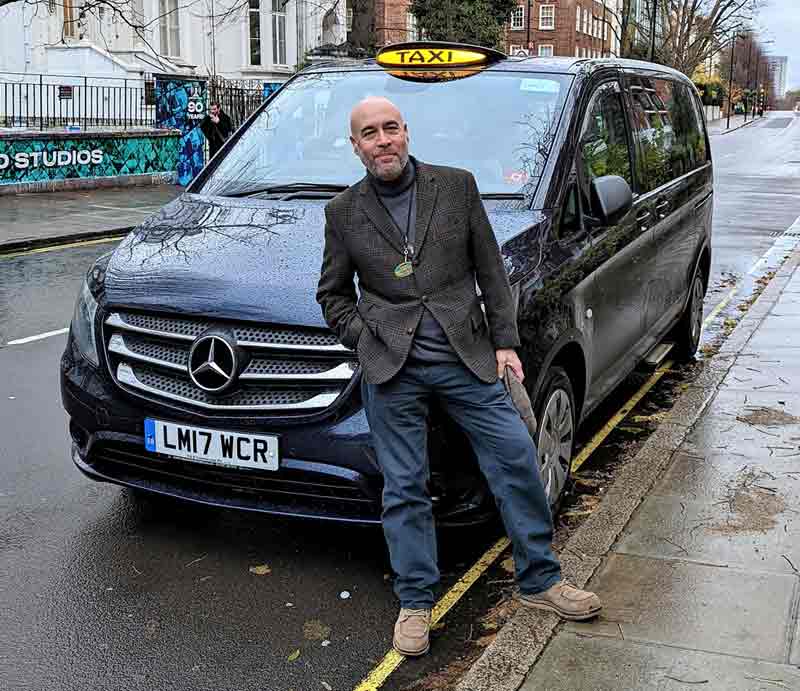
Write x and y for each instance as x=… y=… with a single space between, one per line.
x=593 y=300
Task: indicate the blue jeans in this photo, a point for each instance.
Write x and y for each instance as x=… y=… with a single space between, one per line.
x=397 y=412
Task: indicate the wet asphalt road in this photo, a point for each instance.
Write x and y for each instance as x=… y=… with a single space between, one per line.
x=103 y=589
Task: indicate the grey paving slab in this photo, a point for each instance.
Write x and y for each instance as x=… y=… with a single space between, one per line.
x=768 y=339
x=573 y=663
x=698 y=606
x=775 y=371
x=747 y=423
x=749 y=531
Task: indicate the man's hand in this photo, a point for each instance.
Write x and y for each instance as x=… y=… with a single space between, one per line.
x=508 y=356
x=215 y=119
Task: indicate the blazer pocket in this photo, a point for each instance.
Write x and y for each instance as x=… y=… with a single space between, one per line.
x=477 y=318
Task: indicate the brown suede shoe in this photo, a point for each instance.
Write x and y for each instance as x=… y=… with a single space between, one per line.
x=412 y=632
x=566 y=601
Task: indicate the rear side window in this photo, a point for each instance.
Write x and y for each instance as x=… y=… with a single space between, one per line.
x=668 y=130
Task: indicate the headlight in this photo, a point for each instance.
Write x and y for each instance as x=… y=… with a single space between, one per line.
x=83 y=325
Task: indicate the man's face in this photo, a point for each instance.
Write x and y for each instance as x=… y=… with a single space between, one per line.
x=380 y=138
x=215 y=110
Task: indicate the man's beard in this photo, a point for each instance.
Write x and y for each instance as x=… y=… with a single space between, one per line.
x=387 y=173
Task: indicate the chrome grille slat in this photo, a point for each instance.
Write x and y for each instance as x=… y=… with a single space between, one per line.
x=119 y=346
x=148 y=355
x=183 y=391
x=175 y=358
x=251 y=337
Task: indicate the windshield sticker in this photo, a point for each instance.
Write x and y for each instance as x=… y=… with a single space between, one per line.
x=542 y=86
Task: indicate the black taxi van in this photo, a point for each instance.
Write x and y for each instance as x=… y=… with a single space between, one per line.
x=198 y=363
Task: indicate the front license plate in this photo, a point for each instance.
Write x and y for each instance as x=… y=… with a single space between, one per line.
x=211 y=445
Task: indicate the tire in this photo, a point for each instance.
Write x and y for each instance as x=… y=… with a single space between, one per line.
x=555 y=436
x=686 y=334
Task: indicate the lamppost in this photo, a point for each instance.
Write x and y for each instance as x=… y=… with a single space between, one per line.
x=749 y=60
x=529 y=26
x=653 y=31
x=730 y=80
x=733 y=63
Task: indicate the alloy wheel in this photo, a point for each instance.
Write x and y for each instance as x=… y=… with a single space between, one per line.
x=556 y=432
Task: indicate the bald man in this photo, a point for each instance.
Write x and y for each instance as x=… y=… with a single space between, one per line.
x=418 y=238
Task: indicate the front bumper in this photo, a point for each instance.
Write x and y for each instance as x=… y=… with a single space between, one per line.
x=328 y=469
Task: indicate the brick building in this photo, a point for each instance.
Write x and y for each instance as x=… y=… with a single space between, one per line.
x=580 y=28
x=394 y=23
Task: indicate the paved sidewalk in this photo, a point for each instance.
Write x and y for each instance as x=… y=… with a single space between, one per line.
x=42 y=217
x=737 y=122
x=702 y=587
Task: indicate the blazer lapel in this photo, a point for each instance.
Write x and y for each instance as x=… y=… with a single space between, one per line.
x=378 y=215
x=427 y=191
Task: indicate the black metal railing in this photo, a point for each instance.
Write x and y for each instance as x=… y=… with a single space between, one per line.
x=47 y=101
x=38 y=101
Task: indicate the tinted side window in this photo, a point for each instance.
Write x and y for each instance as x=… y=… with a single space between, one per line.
x=666 y=125
x=603 y=148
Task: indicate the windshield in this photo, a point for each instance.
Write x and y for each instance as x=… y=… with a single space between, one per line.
x=498 y=125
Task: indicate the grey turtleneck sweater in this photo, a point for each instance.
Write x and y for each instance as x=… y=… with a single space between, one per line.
x=430 y=341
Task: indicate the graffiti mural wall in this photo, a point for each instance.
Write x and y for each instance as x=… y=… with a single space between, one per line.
x=181 y=104
x=27 y=158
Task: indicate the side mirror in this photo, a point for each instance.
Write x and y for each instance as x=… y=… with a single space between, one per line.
x=612 y=198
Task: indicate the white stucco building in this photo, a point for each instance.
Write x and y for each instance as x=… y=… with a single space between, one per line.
x=260 y=40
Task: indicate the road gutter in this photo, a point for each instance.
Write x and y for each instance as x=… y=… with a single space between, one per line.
x=507 y=661
x=59 y=241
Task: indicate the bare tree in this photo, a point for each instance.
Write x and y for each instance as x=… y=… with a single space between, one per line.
x=687 y=32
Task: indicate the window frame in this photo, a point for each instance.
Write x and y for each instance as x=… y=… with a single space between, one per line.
x=552 y=16
x=254 y=19
x=279 y=49
x=578 y=16
x=169 y=27
x=519 y=10
x=607 y=82
x=545 y=55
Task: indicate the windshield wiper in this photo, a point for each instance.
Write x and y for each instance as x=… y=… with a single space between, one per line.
x=290 y=187
x=503 y=195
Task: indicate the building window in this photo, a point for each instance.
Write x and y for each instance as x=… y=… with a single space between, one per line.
x=547 y=17
x=578 y=19
x=585 y=21
x=278 y=32
x=513 y=49
x=546 y=51
x=518 y=18
x=577 y=52
x=605 y=30
x=169 y=28
x=69 y=19
x=412 y=27
x=349 y=16
x=255 y=32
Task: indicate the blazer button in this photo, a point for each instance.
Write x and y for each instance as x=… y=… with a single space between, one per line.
x=409 y=331
x=424 y=298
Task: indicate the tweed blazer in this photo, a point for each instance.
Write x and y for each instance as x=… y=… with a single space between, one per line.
x=454 y=247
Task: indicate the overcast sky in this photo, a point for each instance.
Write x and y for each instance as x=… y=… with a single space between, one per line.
x=780 y=21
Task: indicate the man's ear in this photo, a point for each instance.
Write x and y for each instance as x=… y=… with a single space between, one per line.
x=355 y=145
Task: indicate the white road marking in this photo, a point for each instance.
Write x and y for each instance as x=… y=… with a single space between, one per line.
x=38 y=337
x=784 y=244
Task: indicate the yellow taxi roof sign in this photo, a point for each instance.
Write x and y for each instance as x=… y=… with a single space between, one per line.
x=435 y=55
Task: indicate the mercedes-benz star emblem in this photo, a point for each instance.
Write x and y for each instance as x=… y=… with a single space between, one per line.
x=213 y=363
